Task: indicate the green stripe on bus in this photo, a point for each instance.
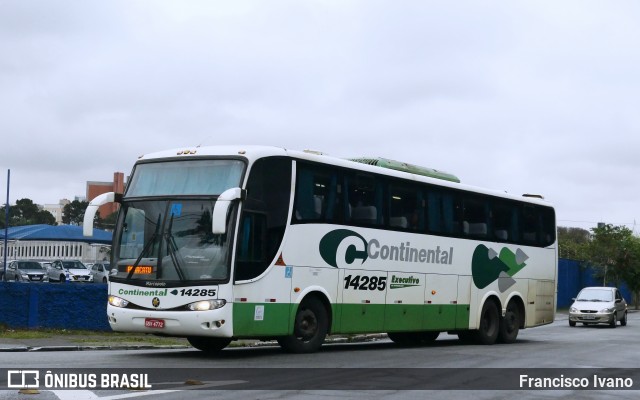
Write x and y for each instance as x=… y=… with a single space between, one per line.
x=261 y=319
x=273 y=319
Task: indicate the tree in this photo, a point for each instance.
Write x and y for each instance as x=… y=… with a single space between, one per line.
x=108 y=223
x=617 y=250
x=572 y=242
x=73 y=213
x=25 y=212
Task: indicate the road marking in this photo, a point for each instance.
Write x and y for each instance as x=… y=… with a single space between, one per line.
x=89 y=395
x=75 y=394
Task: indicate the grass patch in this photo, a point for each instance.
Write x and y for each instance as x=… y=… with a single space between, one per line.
x=89 y=337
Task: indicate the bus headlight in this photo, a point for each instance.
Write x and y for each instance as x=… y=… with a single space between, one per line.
x=206 y=305
x=118 y=302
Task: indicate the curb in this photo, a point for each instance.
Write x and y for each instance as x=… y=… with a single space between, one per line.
x=16 y=349
x=84 y=348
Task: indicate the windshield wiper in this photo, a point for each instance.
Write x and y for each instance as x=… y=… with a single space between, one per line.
x=172 y=249
x=146 y=248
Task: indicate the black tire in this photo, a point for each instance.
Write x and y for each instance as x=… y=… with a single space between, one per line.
x=62 y=279
x=413 y=338
x=509 y=324
x=614 y=321
x=623 y=321
x=209 y=344
x=104 y=279
x=310 y=328
x=572 y=323
x=489 y=324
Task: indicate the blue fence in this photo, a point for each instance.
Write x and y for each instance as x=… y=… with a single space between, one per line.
x=83 y=306
x=60 y=306
x=574 y=275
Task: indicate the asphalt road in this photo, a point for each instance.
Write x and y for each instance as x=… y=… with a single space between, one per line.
x=364 y=370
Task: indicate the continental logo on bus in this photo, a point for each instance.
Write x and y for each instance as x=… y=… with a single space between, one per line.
x=487 y=266
x=342 y=247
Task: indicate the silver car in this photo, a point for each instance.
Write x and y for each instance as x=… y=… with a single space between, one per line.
x=26 y=271
x=100 y=271
x=69 y=270
x=598 y=305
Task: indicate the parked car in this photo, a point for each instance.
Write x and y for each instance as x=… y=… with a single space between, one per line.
x=26 y=271
x=69 y=270
x=100 y=271
x=598 y=305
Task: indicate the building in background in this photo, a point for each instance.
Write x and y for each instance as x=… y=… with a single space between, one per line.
x=94 y=189
x=51 y=242
x=56 y=209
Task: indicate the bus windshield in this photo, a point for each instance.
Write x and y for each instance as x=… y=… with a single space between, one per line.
x=170 y=241
x=185 y=178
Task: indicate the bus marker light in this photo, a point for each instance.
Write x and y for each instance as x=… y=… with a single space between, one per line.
x=433 y=292
x=297 y=290
x=269 y=300
x=366 y=301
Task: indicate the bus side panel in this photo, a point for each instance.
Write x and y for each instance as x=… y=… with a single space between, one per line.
x=464 y=302
x=362 y=308
x=263 y=307
x=321 y=280
x=540 y=302
x=405 y=302
x=441 y=298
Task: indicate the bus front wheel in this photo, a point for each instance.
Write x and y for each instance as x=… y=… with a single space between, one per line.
x=208 y=344
x=310 y=328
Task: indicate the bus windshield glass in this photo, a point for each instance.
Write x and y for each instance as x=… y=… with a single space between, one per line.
x=185 y=178
x=170 y=241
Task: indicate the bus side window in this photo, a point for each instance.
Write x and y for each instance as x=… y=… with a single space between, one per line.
x=365 y=198
x=529 y=225
x=547 y=217
x=317 y=195
x=475 y=218
x=403 y=207
x=503 y=213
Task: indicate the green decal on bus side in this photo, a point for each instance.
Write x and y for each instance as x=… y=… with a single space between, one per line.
x=487 y=266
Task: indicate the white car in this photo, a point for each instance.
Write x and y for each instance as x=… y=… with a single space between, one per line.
x=598 y=305
x=69 y=270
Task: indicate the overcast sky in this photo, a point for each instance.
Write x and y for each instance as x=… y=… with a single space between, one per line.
x=522 y=96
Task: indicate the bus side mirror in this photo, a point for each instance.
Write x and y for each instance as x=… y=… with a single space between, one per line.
x=92 y=209
x=219 y=217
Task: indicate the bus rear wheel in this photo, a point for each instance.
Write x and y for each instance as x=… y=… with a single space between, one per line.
x=489 y=324
x=310 y=328
x=413 y=338
x=208 y=344
x=509 y=324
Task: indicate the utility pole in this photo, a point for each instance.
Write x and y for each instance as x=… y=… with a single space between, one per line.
x=6 y=228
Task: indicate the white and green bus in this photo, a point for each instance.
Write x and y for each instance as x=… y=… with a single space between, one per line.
x=223 y=243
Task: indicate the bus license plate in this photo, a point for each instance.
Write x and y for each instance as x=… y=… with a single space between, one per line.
x=154 y=323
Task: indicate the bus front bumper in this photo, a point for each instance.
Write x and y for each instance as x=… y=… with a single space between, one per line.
x=214 y=323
